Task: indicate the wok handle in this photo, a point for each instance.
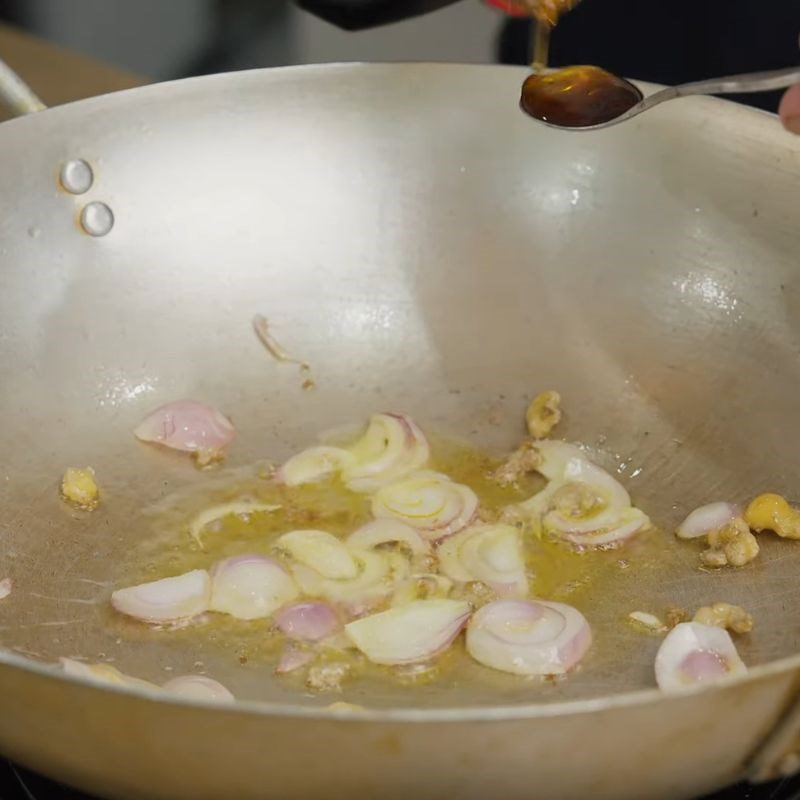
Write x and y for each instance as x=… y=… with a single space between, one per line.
x=16 y=94
x=779 y=755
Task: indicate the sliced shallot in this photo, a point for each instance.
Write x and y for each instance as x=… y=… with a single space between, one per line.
x=630 y=522
x=314 y=464
x=555 y=456
x=421 y=587
x=250 y=587
x=585 y=499
x=489 y=553
x=378 y=572
x=582 y=504
x=190 y=427
x=197 y=687
x=309 y=620
x=428 y=501
x=410 y=633
x=238 y=507
x=527 y=637
x=693 y=654
x=104 y=673
x=168 y=600
x=391 y=447
x=387 y=531
x=707 y=518
x=293 y=658
x=321 y=551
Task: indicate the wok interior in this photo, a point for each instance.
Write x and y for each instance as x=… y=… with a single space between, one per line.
x=426 y=248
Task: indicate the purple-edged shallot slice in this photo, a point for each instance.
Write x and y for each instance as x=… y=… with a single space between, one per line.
x=693 y=653
x=174 y=599
x=528 y=637
x=429 y=502
x=190 y=427
x=250 y=587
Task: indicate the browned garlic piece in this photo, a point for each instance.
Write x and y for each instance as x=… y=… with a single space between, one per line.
x=524 y=460
x=731 y=545
x=79 y=488
x=543 y=414
x=725 y=615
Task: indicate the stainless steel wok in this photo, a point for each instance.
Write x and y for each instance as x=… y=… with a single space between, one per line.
x=427 y=248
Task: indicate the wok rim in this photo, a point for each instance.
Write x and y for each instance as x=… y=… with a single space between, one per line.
x=406 y=715
x=162 y=87
x=725 y=111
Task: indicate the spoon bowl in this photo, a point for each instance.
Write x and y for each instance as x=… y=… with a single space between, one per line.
x=586 y=98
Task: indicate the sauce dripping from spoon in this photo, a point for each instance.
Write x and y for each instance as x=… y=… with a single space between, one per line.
x=577 y=97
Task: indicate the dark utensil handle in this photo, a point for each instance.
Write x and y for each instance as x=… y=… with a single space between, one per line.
x=355 y=15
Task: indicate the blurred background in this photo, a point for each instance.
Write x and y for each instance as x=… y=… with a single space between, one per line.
x=664 y=41
x=163 y=39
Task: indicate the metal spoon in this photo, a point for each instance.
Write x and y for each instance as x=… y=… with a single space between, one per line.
x=583 y=98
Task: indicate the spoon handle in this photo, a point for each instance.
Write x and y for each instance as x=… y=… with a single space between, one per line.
x=750 y=82
x=733 y=84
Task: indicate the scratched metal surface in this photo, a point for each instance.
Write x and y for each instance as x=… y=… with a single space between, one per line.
x=442 y=258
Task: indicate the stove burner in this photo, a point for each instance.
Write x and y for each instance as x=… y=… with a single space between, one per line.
x=17 y=783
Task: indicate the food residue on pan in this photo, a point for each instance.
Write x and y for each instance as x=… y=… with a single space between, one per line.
x=647 y=621
x=275 y=349
x=280 y=353
x=523 y=461
x=675 y=616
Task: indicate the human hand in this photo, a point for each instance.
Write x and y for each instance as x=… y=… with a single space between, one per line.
x=790 y=110
x=546 y=12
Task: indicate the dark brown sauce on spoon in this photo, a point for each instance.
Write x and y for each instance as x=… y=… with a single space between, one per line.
x=577 y=97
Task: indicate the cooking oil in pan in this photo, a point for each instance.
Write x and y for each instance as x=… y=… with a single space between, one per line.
x=592 y=581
